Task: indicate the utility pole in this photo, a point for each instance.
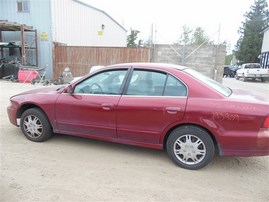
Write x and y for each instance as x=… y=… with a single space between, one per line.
x=183 y=54
x=152 y=46
x=216 y=56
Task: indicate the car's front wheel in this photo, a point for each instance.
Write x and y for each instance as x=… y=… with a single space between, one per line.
x=236 y=77
x=190 y=147
x=35 y=125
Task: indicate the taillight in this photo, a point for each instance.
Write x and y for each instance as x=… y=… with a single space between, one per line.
x=266 y=123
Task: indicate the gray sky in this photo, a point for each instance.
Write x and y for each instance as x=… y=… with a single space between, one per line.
x=169 y=16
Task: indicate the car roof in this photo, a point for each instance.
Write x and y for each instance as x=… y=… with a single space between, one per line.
x=251 y=64
x=150 y=65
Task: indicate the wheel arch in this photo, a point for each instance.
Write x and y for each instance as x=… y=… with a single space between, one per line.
x=27 y=106
x=217 y=146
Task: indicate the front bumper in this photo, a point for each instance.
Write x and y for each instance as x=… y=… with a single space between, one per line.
x=12 y=115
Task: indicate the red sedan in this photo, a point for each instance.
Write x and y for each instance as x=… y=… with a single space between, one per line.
x=158 y=106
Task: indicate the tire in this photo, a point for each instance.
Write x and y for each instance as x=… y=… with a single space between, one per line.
x=33 y=81
x=35 y=125
x=236 y=77
x=190 y=147
x=244 y=78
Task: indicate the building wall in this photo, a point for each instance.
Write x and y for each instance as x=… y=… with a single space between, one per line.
x=265 y=44
x=208 y=59
x=39 y=18
x=64 y=21
x=77 y=24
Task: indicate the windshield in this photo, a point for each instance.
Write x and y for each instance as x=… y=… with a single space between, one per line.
x=210 y=82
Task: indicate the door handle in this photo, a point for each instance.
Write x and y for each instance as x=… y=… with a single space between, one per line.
x=107 y=106
x=173 y=110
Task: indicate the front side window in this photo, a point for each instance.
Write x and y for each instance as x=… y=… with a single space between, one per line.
x=107 y=82
x=151 y=83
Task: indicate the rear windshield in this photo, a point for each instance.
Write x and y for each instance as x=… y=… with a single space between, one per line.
x=210 y=82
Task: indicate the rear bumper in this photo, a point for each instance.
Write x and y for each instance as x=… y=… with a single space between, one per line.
x=12 y=115
x=246 y=144
x=257 y=76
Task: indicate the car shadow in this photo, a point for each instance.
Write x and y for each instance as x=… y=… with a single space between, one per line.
x=107 y=147
x=255 y=81
x=240 y=164
x=160 y=157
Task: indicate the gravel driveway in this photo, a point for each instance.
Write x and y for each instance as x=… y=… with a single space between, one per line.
x=77 y=169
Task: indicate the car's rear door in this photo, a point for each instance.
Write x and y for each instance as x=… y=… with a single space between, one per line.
x=152 y=101
x=91 y=109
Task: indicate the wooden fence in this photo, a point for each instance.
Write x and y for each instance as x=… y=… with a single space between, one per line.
x=81 y=59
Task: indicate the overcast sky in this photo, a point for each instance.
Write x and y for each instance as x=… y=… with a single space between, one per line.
x=169 y=16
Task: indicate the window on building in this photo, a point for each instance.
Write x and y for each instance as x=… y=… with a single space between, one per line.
x=23 y=6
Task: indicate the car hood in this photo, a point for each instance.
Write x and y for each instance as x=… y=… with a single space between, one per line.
x=246 y=96
x=45 y=90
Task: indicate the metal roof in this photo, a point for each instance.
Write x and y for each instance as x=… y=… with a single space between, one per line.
x=13 y=26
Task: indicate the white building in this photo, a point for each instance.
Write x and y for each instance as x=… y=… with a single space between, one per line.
x=264 y=59
x=265 y=43
x=78 y=24
x=71 y=22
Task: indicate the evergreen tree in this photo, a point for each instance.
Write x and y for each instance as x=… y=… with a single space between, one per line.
x=249 y=44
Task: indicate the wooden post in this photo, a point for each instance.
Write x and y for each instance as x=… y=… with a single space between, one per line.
x=23 y=59
x=2 y=50
x=36 y=49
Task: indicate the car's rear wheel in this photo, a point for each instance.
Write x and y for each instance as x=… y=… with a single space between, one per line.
x=35 y=125
x=190 y=147
x=264 y=79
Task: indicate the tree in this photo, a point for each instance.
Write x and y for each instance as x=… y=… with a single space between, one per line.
x=196 y=37
x=185 y=37
x=147 y=42
x=249 y=44
x=132 y=38
x=199 y=37
x=228 y=59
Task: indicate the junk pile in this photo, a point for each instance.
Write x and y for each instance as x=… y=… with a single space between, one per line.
x=9 y=69
x=65 y=77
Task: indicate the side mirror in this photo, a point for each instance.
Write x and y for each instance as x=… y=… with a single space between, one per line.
x=69 y=89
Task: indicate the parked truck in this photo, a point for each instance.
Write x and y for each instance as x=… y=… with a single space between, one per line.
x=252 y=71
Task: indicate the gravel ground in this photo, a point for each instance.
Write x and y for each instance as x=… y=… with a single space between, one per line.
x=77 y=169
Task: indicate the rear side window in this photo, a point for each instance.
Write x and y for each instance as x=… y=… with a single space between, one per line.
x=152 y=83
x=174 y=87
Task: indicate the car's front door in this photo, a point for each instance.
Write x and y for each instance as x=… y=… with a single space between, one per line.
x=91 y=108
x=152 y=102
